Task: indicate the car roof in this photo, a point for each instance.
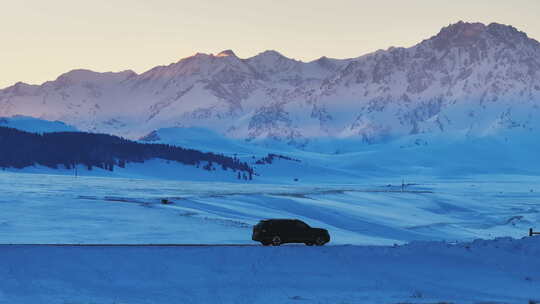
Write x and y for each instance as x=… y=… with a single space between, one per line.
x=280 y=220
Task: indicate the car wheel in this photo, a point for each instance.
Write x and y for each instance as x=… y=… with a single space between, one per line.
x=309 y=243
x=276 y=241
x=319 y=241
x=265 y=243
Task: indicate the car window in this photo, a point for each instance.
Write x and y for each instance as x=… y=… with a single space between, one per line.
x=301 y=225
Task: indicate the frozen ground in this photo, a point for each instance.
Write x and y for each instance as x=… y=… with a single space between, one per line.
x=45 y=208
x=41 y=208
x=498 y=271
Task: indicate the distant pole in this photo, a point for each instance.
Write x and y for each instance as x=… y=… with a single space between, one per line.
x=402 y=185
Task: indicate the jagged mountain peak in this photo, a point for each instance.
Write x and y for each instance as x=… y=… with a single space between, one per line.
x=468 y=29
x=270 y=53
x=200 y=64
x=198 y=55
x=329 y=63
x=226 y=53
x=270 y=63
x=85 y=75
x=460 y=34
x=467 y=34
x=20 y=88
x=510 y=35
x=205 y=56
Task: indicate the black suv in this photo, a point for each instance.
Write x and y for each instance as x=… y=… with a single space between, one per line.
x=279 y=231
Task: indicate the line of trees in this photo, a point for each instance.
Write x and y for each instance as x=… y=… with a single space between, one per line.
x=269 y=159
x=19 y=149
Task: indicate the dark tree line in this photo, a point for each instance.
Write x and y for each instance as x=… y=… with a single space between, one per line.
x=19 y=149
x=270 y=158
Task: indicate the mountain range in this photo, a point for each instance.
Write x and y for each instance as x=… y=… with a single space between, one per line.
x=470 y=78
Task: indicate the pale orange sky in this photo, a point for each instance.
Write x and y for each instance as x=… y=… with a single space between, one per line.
x=43 y=39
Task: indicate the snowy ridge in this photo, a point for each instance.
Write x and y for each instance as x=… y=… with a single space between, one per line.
x=35 y=125
x=197 y=138
x=347 y=160
x=471 y=78
x=73 y=151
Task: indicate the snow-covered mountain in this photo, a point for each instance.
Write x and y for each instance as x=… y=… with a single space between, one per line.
x=470 y=78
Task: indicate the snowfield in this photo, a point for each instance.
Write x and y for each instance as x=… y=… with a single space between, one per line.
x=370 y=258
x=44 y=208
x=498 y=271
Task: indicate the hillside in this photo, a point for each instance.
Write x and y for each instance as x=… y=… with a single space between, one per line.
x=72 y=149
x=35 y=125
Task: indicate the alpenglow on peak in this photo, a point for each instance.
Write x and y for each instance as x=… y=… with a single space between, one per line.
x=469 y=78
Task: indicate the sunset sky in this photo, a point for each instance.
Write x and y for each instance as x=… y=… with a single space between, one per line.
x=43 y=39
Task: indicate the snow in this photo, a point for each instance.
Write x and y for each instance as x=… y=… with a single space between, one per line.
x=150 y=169
x=495 y=271
x=331 y=160
x=199 y=139
x=35 y=125
x=42 y=208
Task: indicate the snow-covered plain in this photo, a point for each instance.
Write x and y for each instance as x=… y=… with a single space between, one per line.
x=44 y=208
x=47 y=208
x=499 y=271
